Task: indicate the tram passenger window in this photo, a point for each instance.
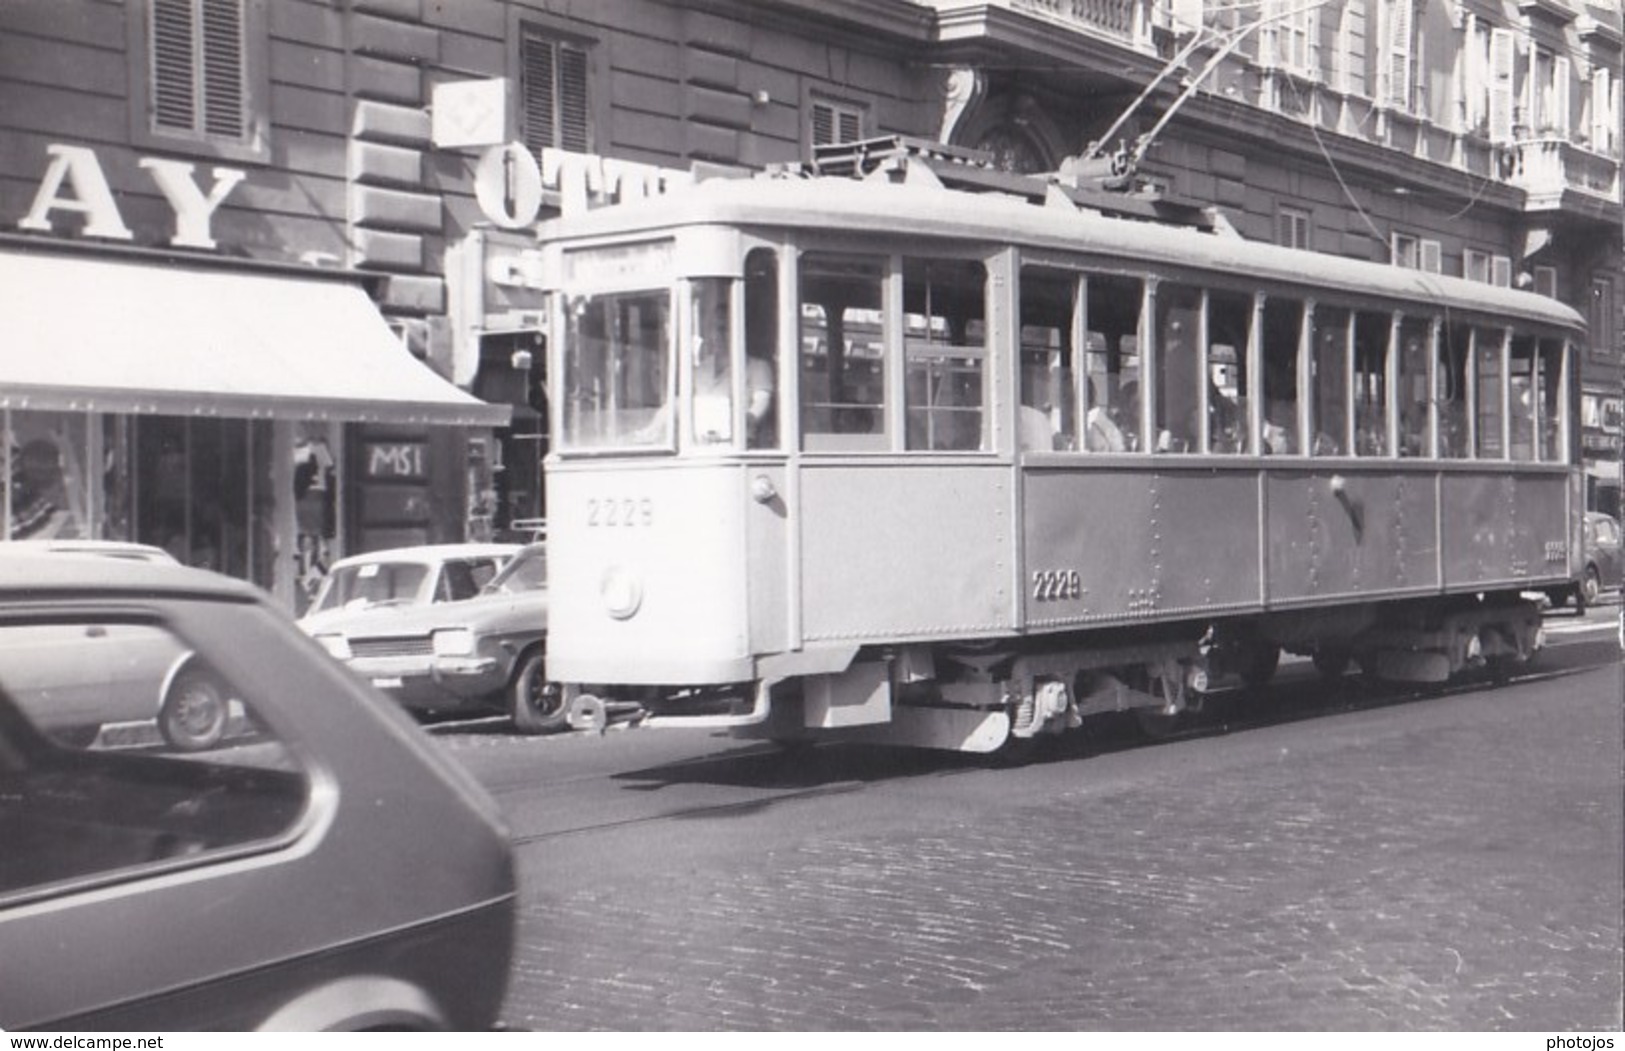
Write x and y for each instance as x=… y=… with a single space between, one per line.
x=761 y=349
x=1112 y=363
x=1521 y=418
x=616 y=371
x=843 y=392
x=1371 y=331
x=1549 y=377
x=1488 y=374
x=1179 y=369
x=1229 y=321
x=1414 y=396
x=1329 y=381
x=1283 y=332
x=945 y=348
x=1048 y=415
x=1455 y=347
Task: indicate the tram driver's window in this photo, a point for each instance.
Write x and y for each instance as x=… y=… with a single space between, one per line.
x=1522 y=402
x=1112 y=363
x=945 y=351
x=1179 y=369
x=1371 y=331
x=1414 y=397
x=1229 y=321
x=1329 y=381
x=1549 y=377
x=1283 y=332
x=842 y=349
x=1488 y=374
x=1455 y=350
x=1046 y=418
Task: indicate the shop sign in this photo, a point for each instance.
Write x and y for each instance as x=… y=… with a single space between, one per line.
x=74 y=182
x=395 y=461
x=510 y=186
x=1600 y=443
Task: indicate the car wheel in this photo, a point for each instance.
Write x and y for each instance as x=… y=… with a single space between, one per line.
x=536 y=705
x=1591 y=586
x=195 y=711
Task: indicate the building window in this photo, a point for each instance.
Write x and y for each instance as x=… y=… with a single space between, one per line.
x=1603 y=112
x=1604 y=317
x=1292 y=228
x=198 y=76
x=554 y=109
x=1475 y=265
x=836 y=122
x=1546 y=281
x=1406 y=251
x=1398 y=82
x=1290 y=38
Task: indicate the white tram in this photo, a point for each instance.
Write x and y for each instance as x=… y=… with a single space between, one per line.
x=874 y=459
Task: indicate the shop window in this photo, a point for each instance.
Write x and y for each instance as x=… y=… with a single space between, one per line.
x=1282 y=335
x=843 y=375
x=945 y=354
x=198 y=76
x=554 y=109
x=1371 y=333
x=50 y=493
x=204 y=492
x=1329 y=381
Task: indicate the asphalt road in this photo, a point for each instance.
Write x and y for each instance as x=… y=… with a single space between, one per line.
x=1310 y=858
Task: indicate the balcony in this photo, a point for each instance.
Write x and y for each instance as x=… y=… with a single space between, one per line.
x=1123 y=21
x=1556 y=173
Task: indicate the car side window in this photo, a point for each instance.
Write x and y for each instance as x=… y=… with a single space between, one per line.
x=124 y=752
x=457 y=582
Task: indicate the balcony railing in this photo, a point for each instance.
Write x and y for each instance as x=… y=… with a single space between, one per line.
x=1128 y=21
x=1549 y=166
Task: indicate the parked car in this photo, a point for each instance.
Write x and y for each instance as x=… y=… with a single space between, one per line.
x=124 y=674
x=1602 y=563
x=404 y=576
x=486 y=653
x=280 y=881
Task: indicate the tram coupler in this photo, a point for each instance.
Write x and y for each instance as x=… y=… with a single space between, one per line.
x=595 y=714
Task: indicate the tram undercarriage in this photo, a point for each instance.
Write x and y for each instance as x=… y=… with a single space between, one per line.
x=993 y=695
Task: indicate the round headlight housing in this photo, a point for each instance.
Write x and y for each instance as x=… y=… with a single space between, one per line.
x=621 y=590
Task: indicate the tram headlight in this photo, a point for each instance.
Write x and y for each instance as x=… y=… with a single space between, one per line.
x=621 y=590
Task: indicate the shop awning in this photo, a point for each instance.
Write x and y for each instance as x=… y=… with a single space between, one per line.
x=97 y=334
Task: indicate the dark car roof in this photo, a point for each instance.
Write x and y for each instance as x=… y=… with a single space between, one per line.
x=59 y=573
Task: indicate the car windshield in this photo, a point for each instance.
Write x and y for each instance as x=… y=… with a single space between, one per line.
x=527 y=572
x=372 y=584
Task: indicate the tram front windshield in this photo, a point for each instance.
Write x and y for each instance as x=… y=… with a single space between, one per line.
x=617 y=371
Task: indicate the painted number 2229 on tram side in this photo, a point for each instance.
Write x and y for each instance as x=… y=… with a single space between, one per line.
x=839 y=458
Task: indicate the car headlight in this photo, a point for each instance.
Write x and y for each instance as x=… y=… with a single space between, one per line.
x=453 y=642
x=337 y=645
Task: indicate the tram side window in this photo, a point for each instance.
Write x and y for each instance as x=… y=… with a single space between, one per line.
x=1329 y=380
x=945 y=347
x=616 y=371
x=1047 y=416
x=843 y=376
x=1549 y=376
x=1283 y=331
x=1112 y=362
x=1414 y=397
x=1522 y=403
x=1455 y=348
x=761 y=349
x=1371 y=331
x=1490 y=429
x=1179 y=368
x=712 y=360
x=1229 y=323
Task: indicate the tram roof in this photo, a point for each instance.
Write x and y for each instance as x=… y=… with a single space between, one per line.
x=923 y=211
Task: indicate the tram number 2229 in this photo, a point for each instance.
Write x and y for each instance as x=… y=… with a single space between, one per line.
x=1054 y=585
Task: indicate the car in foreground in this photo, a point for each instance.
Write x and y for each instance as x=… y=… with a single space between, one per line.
x=280 y=881
x=482 y=654
x=404 y=576
x=126 y=675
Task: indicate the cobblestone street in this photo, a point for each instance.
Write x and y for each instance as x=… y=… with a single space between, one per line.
x=1451 y=863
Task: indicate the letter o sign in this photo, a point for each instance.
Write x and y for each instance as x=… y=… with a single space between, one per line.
x=508 y=186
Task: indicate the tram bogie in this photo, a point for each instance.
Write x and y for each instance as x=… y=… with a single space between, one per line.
x=893 y=464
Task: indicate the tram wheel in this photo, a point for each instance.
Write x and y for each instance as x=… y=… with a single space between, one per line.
x=1258 y=668
x=1331 y=661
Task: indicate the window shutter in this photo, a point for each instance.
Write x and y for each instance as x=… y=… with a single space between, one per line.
x=1560 y=95
x=223 y=68
x=1502 y=57
x=832 y=124
x=1398 y=93
x=823 y=124
x=851 y=125
x=536 y=91
x=1268 y=32
x=1432 y=257
x=574 y=127
x=174 y=101
x=1501 y=271
x=1546 y=281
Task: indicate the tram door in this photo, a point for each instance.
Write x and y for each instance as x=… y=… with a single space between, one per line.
x=904 y=517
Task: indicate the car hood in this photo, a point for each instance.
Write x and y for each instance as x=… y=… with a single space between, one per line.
x=525 y=610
